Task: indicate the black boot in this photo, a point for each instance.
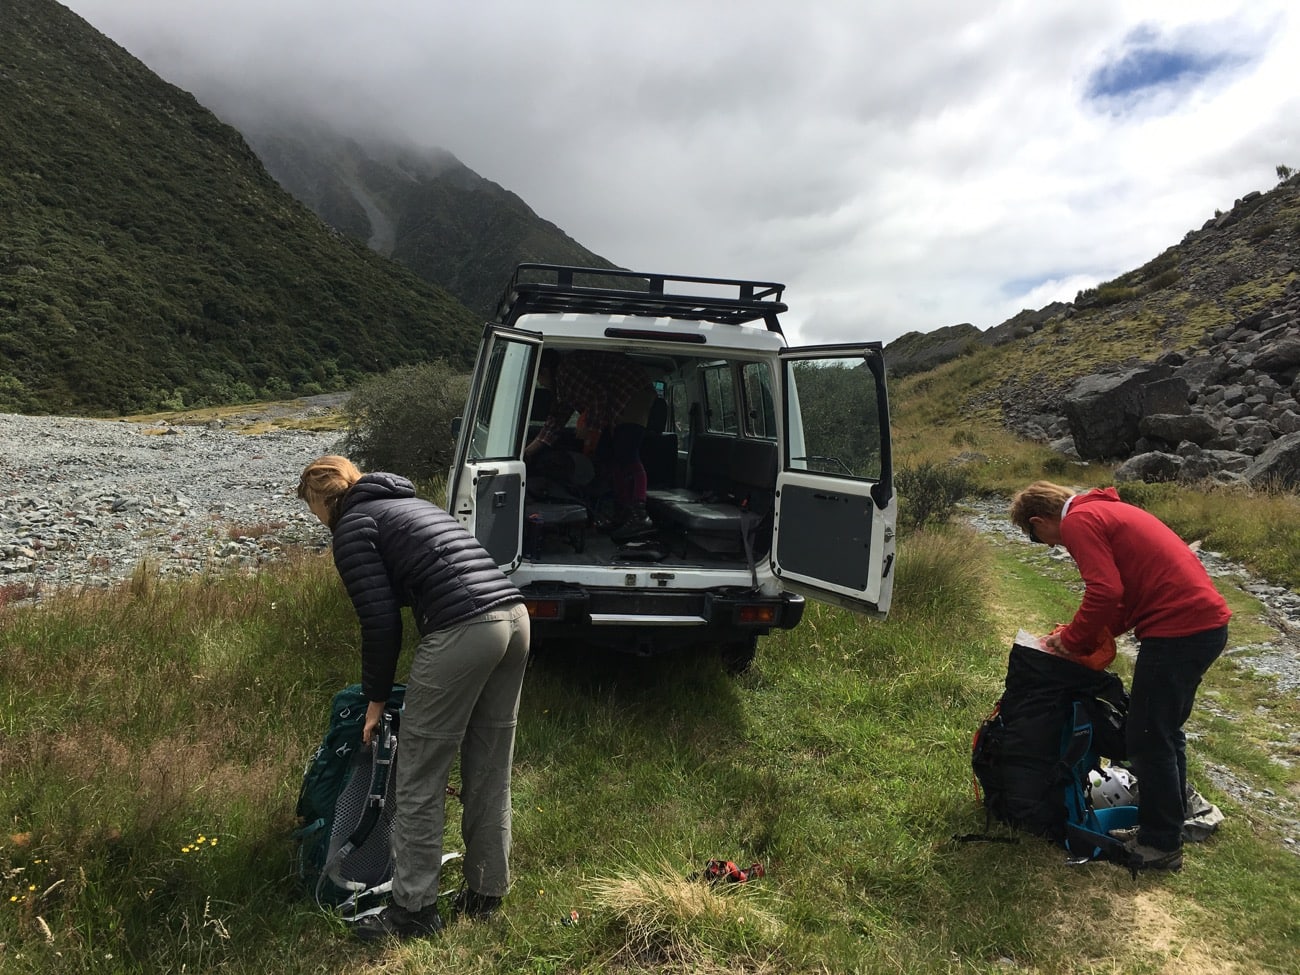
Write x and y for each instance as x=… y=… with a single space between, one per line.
x=607 y=519
x=637 y=525
x=475 y=906
x=398 y=922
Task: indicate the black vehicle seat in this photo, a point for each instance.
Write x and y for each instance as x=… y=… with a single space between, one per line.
x=659 y=447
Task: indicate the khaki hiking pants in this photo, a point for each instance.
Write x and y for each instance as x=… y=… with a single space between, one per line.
x=462 y=696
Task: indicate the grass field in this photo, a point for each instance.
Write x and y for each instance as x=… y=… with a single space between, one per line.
x=153 y=738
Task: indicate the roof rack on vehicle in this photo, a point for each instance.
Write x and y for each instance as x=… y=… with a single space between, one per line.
x=558 y=289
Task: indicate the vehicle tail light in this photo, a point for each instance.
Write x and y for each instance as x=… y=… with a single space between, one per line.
x=756 y=614
x=543 y=609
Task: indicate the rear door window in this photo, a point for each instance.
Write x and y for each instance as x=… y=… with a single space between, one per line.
x=719 y=399
x=760 y=411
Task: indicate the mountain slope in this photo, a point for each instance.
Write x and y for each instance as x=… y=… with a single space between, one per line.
x=149 y=260
x=1238 y=263
x=1221 y=281
x=424 y=208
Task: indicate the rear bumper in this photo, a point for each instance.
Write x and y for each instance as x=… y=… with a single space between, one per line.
x=647 y=620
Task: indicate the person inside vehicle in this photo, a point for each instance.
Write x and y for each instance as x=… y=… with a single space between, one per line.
x=1138 y=575
x=613 y=396
x=462 y=697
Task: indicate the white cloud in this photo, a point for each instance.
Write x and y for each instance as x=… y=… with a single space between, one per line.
x=899 y=167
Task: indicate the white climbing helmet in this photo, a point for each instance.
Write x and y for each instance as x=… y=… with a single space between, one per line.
x=1112 y=786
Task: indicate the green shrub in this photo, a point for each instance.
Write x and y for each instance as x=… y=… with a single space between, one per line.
x=1165 y=279
x=1055 y=465
x=1105 y=295
x=401 y=421
x=1265 y=229
x=928 y=492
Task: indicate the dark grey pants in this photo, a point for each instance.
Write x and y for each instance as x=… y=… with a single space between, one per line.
x=462 y=696
x=1165 y=678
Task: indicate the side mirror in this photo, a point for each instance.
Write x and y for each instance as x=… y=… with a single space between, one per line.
x=455 y=427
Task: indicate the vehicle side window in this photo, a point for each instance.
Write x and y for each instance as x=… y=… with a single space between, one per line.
x=496 y=431
x=760 y=409
x=719 y=399
x=679 y=407
x=841 y=431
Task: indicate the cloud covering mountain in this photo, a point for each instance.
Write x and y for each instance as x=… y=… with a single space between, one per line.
x=900 y=167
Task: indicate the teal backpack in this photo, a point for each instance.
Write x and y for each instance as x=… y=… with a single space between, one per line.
x=346 y=808
x=1087 y=830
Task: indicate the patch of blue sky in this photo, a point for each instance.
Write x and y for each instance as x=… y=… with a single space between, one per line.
x=1015 y=287
x=1149 y=66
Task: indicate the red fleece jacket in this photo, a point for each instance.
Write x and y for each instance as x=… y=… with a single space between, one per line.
x=1138 y=575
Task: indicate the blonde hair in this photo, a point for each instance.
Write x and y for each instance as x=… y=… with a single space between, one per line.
x=1042 y=499
x=326 y=480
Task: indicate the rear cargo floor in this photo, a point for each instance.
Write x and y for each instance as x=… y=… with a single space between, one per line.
x=669 y=549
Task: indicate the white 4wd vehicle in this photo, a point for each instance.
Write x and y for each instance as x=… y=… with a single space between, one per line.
x=768 y=467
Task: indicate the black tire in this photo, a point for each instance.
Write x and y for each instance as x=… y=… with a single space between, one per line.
x=738 y=655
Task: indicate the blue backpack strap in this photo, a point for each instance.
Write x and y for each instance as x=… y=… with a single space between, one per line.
x=1076 y=746
x=1085 y=834
x=1091 y=841
x=1077 y=740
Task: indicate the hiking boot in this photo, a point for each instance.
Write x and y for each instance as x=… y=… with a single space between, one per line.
x=637 y=525
x=1142 y=857
x=475 y=906
x=398 y=922
x=607 y=519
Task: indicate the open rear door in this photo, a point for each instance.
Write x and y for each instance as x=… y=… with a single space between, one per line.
x=486 y=487
x=836 y=509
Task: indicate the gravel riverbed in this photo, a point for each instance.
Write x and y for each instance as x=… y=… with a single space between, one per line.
x=84 y=502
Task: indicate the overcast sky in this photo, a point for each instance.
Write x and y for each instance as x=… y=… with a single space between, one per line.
x=898 y=166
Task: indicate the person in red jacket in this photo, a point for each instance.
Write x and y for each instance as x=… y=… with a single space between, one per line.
x=1138 y=575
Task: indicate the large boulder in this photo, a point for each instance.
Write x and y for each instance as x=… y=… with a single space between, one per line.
x=1175 y=428
x=1202 y=371
x=1286 y=421
x=1253 y=435
x=1104 y=411
x=1201 y=465
x=1278 y=465
x=1281 y=356
x=1167 y=397
x=1152 y=467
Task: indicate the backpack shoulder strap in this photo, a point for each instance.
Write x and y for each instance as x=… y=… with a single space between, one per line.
x=1085 y=836
x=1078 y=737
x=1089 y=842
x=385 y=748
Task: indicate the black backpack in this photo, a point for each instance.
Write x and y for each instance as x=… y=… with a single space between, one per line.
x=346 y=807
x=1031 y=756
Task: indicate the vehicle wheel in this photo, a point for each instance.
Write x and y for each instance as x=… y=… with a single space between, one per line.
x=739 y=654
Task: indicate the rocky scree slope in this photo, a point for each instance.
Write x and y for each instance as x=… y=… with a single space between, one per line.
x=1227 y=413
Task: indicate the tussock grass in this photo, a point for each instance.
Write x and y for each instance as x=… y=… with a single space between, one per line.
x=668 y=919
x=1258 y=527
x=248 y=418
x=144 y=723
